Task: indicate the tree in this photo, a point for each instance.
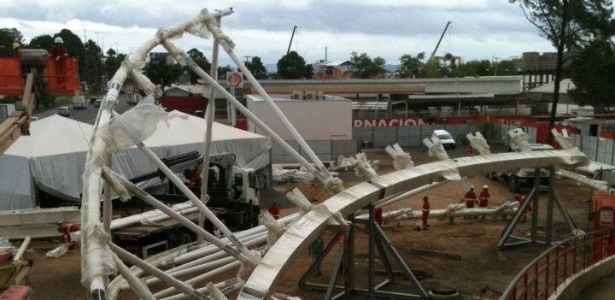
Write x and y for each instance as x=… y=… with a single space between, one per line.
x=41 y=42
x=475 y=68
x=93 y=65
x=200 y=59
x=567 y=24
x=364 y=67
x=411 y=66
x=113 y=62
x=257 y=68
x=162 y=73
x=223 y=70
x=593 y=74
x=8 y=36
x=292 y=66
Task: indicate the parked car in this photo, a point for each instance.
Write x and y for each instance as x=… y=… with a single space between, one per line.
x=93 y=100
x=79 y=102
x=64 y=111
x=97 y=103
x=448 y=142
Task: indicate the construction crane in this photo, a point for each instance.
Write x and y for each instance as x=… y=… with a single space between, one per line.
x=291 y=39
x=438 y=44
x=28 y=75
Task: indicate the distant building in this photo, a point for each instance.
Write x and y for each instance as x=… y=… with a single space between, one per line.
x=157 y=55
x=331 y=69
x=185 y=98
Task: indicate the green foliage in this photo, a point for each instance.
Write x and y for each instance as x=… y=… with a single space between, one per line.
x=593 y=73
x=41 y=42
x=113 y=62
x=7 y=37
x=475 y=68
x=364 y=67
x=292 y=66
x=411 y=66
x=568 y=24
x=199 y=58
x=223 y=70
x=257 y=68
x=161 y=73
x=93 y=66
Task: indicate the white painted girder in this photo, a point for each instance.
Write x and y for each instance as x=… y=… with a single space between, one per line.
x=300 y=234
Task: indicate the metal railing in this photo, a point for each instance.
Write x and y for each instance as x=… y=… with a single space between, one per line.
x=541 y=278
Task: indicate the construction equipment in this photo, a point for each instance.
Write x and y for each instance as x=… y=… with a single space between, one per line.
x=30 y=74
x=438 y=44
x=291 y=39
x=233 y=194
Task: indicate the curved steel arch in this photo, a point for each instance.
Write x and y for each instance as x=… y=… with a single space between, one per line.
x=301 y=233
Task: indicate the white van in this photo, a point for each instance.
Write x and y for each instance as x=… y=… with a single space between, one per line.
x=448 y=142
x=79 y=102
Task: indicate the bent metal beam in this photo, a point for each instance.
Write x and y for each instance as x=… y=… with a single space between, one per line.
x=300 y=234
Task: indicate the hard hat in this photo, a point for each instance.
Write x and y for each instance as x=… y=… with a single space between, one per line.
x=425 y=198
x=471 y=187
x=58 y=40
x=485 y=186
x=16 y=45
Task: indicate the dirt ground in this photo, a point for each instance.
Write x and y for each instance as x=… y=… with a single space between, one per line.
x=463 y=256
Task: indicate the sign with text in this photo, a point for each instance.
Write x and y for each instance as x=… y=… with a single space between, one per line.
x=388 y=122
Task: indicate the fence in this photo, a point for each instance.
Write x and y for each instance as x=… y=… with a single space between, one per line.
x=541 y=278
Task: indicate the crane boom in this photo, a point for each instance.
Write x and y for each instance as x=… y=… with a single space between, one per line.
x=291 y=39
x=438 y=44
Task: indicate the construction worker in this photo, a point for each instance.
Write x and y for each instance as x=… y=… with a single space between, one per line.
x=274 y=210
x=316 y=249
x=16 y=48
x=520 y=198
x=58 y=50
x=483 y=198
x=470 y=199
x=378 y=215
x=426 y=208
x=59 y=54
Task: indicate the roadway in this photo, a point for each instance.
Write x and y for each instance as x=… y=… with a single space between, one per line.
x=87 y=115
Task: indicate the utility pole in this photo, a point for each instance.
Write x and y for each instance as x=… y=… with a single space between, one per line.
x=291 y=39
x=495 y=66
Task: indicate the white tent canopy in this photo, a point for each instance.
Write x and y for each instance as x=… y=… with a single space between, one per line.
x=53 y=156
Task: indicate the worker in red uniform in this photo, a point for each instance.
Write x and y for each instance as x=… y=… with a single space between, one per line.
x=470 y=199
x=426 y=208
x=378 y=215
x=59 y=54
x=483 y=198
x=58 y=50
x=528 y=209
x=274 y=210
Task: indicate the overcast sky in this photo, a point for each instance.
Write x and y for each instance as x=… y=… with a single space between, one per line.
x=480 y=29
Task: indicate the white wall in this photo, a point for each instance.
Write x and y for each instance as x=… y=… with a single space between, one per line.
x=313 y=119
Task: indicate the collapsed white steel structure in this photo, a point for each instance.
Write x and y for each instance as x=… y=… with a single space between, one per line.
x=257 y=277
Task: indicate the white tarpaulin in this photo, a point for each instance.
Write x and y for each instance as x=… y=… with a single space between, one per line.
x=53 y=156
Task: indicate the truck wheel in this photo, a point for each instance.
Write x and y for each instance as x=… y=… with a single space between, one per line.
x=513 y=184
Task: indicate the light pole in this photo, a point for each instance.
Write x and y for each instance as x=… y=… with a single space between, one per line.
x=495 y=66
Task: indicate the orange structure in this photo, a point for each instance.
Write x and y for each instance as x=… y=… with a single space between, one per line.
x=60 y=78
x=603 y=217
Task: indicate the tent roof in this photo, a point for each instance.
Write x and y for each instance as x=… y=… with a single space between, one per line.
x=182 y=128
x=51 y=136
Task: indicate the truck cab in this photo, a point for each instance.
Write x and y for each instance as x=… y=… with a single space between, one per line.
x=524 y=178
x=233 y=192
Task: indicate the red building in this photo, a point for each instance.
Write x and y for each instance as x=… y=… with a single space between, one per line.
x=185 y=98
